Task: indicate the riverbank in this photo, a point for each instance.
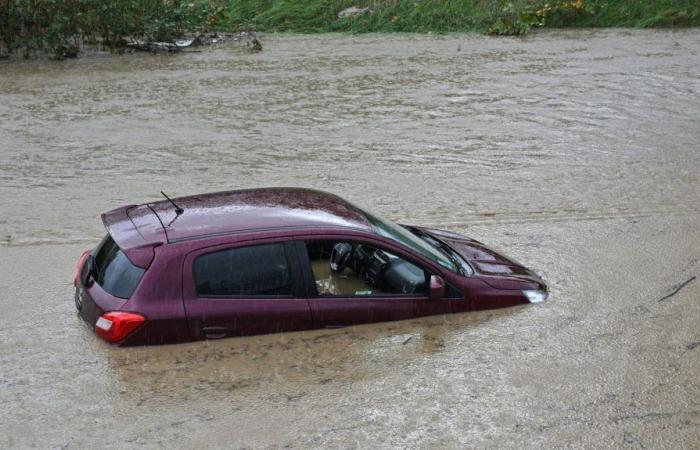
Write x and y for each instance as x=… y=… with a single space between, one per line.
x=61 y=28
x=441 y=16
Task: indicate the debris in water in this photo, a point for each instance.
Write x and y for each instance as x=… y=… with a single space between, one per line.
x=184 y=42
x=249 y=39
x=154 y=47
x=678 y=288
x=244 y=38
x=352 y=11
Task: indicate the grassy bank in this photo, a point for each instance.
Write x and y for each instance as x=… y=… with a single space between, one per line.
x=55 y=25
x=489 y=16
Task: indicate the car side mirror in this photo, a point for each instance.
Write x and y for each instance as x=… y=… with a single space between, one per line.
x=437 y=287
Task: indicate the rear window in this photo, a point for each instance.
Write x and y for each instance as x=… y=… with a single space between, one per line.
x=256 y=271
x=113 y=270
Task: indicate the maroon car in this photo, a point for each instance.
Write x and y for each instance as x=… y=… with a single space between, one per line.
x=279 y=259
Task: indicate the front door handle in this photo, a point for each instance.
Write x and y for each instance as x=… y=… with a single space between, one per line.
x=215 y=332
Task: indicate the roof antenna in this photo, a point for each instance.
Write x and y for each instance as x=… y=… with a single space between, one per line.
x=178 y=210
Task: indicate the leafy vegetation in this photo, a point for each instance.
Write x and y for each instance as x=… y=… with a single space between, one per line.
x=58 y=25
x=441 y=16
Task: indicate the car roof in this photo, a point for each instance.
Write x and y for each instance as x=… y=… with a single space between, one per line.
x=228 y=212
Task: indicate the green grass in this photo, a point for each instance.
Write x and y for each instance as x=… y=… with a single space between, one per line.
x=386 y=16
x=28 y=25
x=634 y=13
x=443 y=16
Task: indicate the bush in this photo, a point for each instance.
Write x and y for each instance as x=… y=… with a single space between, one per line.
x=59 y=25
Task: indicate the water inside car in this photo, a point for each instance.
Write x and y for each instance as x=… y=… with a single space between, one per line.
x=353 y=269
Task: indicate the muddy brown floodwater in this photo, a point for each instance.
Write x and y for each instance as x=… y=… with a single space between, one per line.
x=576 y=152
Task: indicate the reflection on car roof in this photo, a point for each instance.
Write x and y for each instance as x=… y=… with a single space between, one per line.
x=252 y=209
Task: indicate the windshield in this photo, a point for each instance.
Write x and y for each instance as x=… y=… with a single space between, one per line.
x=403 y=236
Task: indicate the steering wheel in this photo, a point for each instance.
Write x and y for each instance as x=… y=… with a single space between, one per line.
x=340 y=256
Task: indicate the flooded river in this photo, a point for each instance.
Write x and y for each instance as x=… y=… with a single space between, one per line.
x=577 y=153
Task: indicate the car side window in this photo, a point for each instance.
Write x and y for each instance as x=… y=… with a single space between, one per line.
x=254 y=271
x=351 y=269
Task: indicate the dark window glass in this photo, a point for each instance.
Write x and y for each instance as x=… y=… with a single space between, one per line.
x=260 y=270
x=113 y=270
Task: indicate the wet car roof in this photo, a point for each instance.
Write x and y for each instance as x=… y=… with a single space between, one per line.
x=251 y=209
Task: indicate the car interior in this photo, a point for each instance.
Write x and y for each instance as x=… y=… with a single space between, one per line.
x=353 y=269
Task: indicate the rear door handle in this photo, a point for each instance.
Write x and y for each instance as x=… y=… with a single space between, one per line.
x=215 y=332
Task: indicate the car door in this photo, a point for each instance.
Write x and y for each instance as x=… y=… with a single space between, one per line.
x=355 y=304
x=244 y=289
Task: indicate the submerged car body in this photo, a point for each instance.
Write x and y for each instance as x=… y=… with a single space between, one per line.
x=279 y=259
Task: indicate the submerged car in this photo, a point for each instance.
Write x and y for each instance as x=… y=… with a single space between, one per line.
x=279 y=259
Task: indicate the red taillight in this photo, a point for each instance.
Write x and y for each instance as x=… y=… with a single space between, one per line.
x=79 y=266
x=116 y=325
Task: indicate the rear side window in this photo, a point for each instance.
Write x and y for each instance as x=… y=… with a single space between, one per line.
x=113 y=271
x=256 y=271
